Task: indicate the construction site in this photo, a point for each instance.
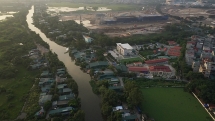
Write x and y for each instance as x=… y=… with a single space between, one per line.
x=121 y=24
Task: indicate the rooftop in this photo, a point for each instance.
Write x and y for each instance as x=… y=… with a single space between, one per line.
x=60 y=110
x=175 y=51
x=137 y=69
x=66 y=97
x=125 y=46
x=160 y=68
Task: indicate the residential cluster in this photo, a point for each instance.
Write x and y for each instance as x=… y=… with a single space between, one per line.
x=50 y=87
x=53 y=86
x=200 y=55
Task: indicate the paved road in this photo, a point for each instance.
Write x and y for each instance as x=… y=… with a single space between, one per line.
x=121 y=81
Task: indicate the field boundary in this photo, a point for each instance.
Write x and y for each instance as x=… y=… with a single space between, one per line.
x=203 y=106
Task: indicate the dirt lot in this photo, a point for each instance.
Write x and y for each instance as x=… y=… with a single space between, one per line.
x=117 y=30
x=191 y=12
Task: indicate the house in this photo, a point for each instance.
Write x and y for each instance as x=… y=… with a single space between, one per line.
x=117 y=108
x=189 y=56
x=45 y=74
x=122 y=68
x=98 y=64
x=65 y=91
x=60 y=79
x=61 y=104
x=61 y=111
x=174 y=51
x=87 y=39
x=61 y=86
x=114 y=81
x=206 y=55
x=138 y=70
x=46 y=81
x=44 y=99
x=196 y=66
x=157 y=61
x=162 y=71
x=66 y=97
x=124 y=49
x=172 y=43
x=46 y=88
x=40 y=113
x=106 y=77
x=129 y=117
x=190 y=44
x=208 y=69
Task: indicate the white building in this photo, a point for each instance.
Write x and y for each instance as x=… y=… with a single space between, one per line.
x=124 y=49
x=170 y=2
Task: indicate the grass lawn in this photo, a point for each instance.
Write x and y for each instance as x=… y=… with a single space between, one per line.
x=130 y=60
x=114 y=7
x=172 y=104
x=144 y=53
x=20 y=87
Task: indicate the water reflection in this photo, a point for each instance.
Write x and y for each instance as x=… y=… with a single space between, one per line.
x=67 y=9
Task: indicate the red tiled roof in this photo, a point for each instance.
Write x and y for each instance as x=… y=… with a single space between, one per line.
x=137 y=69
x=160 y=68
x=172 y=42
x=156 y=61
x=175 y=51
x=191 y=42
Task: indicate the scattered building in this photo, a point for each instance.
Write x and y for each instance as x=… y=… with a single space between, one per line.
x=87 y=39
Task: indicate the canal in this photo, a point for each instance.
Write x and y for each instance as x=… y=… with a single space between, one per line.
x=89 y=101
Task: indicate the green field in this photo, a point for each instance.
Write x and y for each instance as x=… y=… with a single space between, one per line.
x=172 y=104
x=114 y=7
x=130 y=60
x=19 y=87
x=144 y=53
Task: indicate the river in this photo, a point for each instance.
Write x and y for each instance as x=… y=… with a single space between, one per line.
x=89 y=101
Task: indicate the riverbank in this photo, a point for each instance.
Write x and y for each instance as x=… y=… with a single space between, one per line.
x=89 y=100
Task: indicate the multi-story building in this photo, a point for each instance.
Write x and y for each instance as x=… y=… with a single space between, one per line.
x=207 y=69
x=189 y=56
x=124 y=49
x=196 y=66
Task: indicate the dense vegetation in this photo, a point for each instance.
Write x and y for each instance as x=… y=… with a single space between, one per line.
x=130 y=96
x=15 y=78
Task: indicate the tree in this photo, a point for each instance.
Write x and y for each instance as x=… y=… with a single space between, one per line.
x=47 y=105
x=134 y=98
x=110 y=97
x=79 y=116
x=106 y=109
